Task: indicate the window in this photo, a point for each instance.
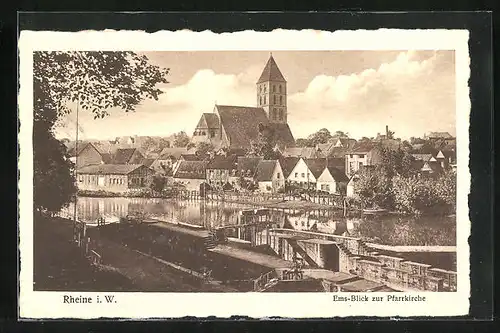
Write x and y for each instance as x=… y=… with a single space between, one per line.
x=360 y=164
x=212 y=133
x=280 y=88
x=361 y=155
x=281 y=100
x=327 y=187
x=274 y=99
x=274 y=88
x=260 y=100
x=303 y=175
x=278 y=175
x=264 y=91
x=264 y=99
x=274 y=114
x=350 y=156
x=281 y=114
x=296 y=175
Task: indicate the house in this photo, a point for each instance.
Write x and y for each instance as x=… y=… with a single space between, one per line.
x=247 y=166
x=363 y=154
x=116 y=178
x=85 y=153
x=269 y=176
x=306 y=172
x=167 y=159
x=447 y=158
x=332 y=180
x=431 y=168
x=147 y=162
x=444 y=138
x=305 y=152
x=222 y=170
x=127 y=156
x=236 y=127
x=191 y=174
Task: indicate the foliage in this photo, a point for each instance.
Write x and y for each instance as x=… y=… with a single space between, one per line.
x=158 y=183
x=395 y=161
x=374 y=188
x=203 y=148
x=264 y=144
x=302 y=142
x=181 y=139
x=321 y=136
x=163 y=143
x=97 y=81
x=53 y=178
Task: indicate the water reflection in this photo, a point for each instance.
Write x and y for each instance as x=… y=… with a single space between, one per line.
x=382 y=229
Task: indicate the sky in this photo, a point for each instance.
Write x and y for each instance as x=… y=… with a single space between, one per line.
x=358 y=92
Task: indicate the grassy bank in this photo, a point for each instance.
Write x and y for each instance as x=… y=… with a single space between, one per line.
x=59 y=265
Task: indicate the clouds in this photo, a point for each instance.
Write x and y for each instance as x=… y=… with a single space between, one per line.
x=413 y=93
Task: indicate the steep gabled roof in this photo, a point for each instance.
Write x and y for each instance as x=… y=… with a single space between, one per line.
x=190 y=157
x=362 y=147
x=123 y=155
x=191 y=170
x=248 y=165
x=306 y=152
x=223 y=162
x=148 y=161
x=174 y=152
x=109 y=169
x=241 y=123
x=337 y=174
x=208 y=120
x=282 y=135
x=71 y=147
x=287 y=164
x=315 y=165
x=271 y=72
x=264 y=171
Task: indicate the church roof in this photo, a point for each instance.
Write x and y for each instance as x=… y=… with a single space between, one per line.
x=282 y=134
x=241 y=123
x=208 y=120
x=271 y=72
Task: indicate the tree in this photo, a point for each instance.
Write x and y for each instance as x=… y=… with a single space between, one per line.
x=263 y=145
x=163 y=143
x=302 y=142
x=97 y=81
x=321 y=136
x=158 y=183
x=203 y=148
x=181 y=139
x=340 y=134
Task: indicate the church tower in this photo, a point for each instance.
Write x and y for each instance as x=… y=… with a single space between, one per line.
x=271 y=92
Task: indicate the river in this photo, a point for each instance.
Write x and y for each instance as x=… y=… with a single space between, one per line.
x=390 y=229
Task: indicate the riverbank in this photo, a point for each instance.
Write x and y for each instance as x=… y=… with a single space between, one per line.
x=59 y=265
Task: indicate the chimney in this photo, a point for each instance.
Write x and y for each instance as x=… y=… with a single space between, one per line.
x=386 y=131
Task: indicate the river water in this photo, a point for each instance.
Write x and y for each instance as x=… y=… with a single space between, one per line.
x=390 y=229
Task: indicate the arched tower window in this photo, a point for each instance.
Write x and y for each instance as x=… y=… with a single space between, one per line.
x=281 y=99
x=264 y=88
x=274 y=88
x=260 y=100
x=280 y=88
x=264 y=98
x=281 y=114
x=274 y=114
x=274 y=99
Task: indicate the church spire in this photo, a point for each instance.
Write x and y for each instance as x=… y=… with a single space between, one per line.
x=271 y=72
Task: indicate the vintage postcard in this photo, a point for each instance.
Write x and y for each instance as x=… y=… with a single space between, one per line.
x=293 y=174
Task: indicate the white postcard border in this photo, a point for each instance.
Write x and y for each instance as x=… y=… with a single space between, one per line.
x=256 y=305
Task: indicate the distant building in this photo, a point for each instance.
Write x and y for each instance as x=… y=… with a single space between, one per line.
x=247 y=166
x=191 y=174
x=114 y=177
x=363 y=154
x=305 y=152
x=222 y=170
x=444 y=137
x=127 y=156
x=235 y=127
x=269 y=176
x=332 y=180
x=306 y=172
x=167 y=159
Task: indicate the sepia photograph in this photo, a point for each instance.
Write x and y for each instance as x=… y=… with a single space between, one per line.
x=246 y=170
